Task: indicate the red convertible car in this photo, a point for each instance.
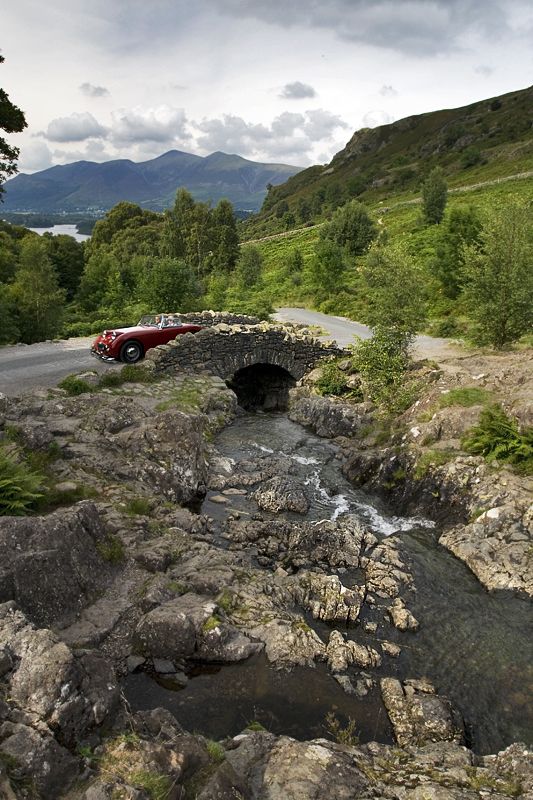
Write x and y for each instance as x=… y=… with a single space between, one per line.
x=130 y=344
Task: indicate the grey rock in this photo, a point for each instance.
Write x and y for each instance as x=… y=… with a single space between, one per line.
x=52 y=565
x=38 y=758
x=418 y=715
x=281 y=494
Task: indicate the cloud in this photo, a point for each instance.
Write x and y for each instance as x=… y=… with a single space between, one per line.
x=372 y=119
x=415 y=27
x=288 y=136
x=483 y=70
x=163 y=124
x=75 y=128
x=297 y=91
x=388 y=91
x=34 y=156
x=89 y=90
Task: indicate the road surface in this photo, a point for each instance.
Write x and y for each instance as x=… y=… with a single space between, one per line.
x=25 y=367
x=343 y=331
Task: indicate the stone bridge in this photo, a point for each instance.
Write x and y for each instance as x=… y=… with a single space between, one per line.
x=260 y=362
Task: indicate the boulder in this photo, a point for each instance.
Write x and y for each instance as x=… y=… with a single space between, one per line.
x=72 y=693
x=52 y=565
x=281 y=494
x=36 y=758
x=418 y=715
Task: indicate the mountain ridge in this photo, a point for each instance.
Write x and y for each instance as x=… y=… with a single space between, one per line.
x=91 y=186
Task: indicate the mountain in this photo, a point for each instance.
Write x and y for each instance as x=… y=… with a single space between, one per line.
x=482 y=141
x=88 y=186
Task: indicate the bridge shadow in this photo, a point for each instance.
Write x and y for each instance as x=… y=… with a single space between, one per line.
x=264 y=386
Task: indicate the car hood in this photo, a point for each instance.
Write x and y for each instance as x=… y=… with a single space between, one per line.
x=135 y=329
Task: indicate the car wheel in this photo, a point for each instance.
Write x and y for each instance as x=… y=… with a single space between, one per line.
x=131 y=352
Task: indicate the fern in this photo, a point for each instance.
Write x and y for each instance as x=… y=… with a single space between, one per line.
x=497 y=437
x=19 y=486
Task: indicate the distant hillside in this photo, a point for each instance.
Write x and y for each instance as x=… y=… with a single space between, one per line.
x=485 y=140
x=87 y=186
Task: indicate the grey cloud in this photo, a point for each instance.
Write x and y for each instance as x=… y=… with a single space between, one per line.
x=416 y=27
x=482 y=69
x=388 y=91
x=297 y=91
x=320 y=124
x=163 y=124
x=89 y=90
x=75 y=128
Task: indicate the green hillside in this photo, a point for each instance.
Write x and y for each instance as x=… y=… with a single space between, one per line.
x=483 y=141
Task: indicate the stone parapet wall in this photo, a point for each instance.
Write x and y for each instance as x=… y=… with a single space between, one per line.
x=210 y=318
x=223 y=350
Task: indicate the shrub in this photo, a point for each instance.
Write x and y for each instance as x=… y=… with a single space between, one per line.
x=138 y=506
x=497 y=437
x=383 y=362
x=19 y=485
x=332 y=381
x=137 y=374
x=342 y=734
x=110 y=379
x=75 y=386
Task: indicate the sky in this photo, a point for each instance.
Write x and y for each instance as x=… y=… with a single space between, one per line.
x=286 y=81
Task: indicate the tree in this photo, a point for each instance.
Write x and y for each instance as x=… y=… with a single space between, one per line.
x=351 y=228
x=9 y=331
x=11 y=121
x=38 y=298
x=327 y=267
x=167 y=286
x=498 y=277
x=434 y=196
x=249 y=267
x=66 y=255
x=395 y=288
x=462 y=227
x=225 y=237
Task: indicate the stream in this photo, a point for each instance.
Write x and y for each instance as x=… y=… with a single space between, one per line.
x=476 y=648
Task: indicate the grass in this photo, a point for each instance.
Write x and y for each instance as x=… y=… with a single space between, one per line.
x=211 y=624
x=429 y=459
x=138 y=506
x=187 y=397
x=467 y=396
x=343 y=734
x=112 y=549
x=123 y=759
x=216 y=752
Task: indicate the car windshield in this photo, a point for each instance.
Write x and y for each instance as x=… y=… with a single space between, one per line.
x=160 y=321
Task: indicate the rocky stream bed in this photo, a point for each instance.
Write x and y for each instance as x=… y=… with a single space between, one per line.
x=227 y=605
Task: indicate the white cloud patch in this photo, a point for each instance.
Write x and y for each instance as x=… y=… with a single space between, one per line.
x=297 y=91
x=163 y=124
x=89 y=90
x=373 y=119
x=34 y=156
x=388 y=91
x=75 y=128
x=288 y=136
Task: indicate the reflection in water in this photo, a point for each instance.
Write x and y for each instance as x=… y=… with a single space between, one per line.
x=221 y=703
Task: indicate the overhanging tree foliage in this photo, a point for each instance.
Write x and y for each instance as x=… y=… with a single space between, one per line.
x=12 y=120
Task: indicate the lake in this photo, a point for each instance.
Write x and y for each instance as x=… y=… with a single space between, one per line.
x=66 y=230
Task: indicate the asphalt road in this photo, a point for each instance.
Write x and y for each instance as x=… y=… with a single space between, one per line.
x=32 y=366
x=25 y=367
x=343 y=331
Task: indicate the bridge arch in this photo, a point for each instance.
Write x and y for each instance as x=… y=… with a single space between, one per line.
x=259 y=362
